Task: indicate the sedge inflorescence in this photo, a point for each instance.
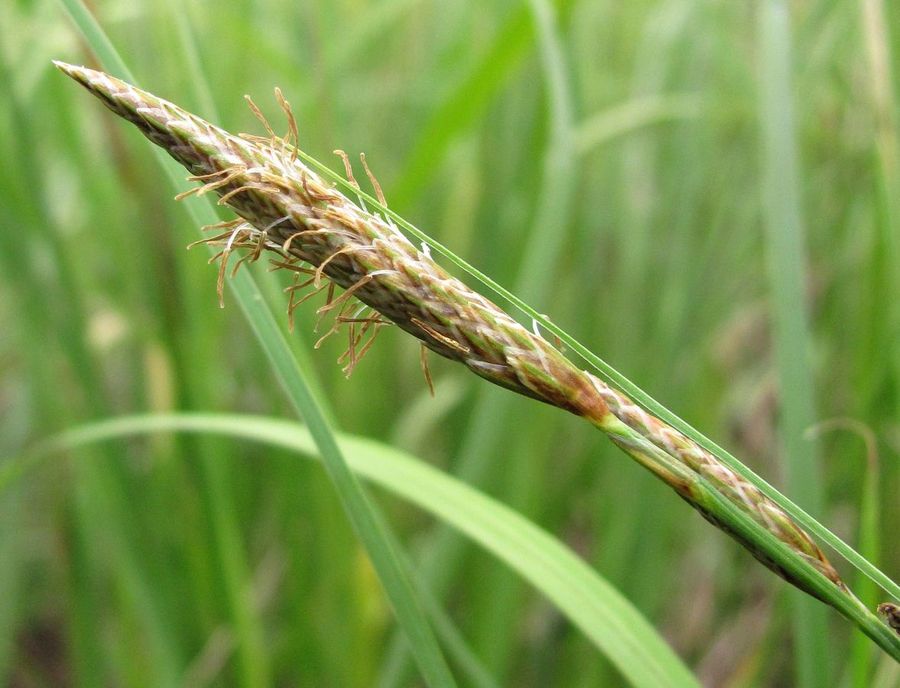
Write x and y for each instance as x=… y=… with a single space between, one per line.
x=328 y=241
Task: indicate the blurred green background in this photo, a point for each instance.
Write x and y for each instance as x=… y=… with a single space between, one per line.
x=705 y=193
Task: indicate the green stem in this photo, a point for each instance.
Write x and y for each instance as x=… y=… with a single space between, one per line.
x=394 y=577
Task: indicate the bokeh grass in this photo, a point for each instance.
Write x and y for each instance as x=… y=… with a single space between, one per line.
x=661 y=268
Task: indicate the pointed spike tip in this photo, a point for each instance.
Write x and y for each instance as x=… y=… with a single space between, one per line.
x=83 y=75
x=71 y=70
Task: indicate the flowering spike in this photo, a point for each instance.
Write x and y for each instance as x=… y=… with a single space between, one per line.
x=289 y=209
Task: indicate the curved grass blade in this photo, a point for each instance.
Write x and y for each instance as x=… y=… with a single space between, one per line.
x=609 y=620
x=633 y=115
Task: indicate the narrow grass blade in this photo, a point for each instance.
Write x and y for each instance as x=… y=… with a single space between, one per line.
x=787 y=272
x=385 y=560
x=463 y=105
x=876 y=35
x=545 y=243
x=607 y=618
x=633 y=115
x=877 y=39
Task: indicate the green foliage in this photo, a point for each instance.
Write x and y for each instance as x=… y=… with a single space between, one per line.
x=135 y=563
